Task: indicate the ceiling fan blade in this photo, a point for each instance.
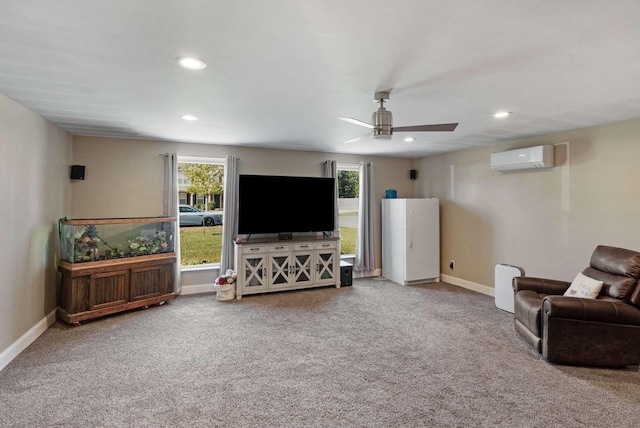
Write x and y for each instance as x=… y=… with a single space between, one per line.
x=356 y=122
x=440 y=127
x=357 y=138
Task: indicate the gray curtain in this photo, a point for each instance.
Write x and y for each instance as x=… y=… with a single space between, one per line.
x=331 y=170
x=229 y=218
x=365 y=241
x=170 y=208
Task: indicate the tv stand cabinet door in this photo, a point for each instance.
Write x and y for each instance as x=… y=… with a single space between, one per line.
x=280 y=269
x=303 y=264
x=252 y=272
x=327 y=263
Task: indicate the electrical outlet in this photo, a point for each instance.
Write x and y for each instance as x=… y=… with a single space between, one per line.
x=452 y=264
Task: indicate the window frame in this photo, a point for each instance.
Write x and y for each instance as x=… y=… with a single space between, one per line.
x=209 y=160
x=345 y=166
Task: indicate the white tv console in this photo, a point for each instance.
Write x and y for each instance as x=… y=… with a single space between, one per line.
x=273 y=265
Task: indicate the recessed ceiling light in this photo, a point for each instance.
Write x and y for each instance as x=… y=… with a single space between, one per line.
x=191 y=63
x=409 y=139
x=189 y=117
x=502 y=114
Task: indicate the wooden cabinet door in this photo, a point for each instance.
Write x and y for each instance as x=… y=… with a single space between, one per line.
x=108 y=289
x=148 y=282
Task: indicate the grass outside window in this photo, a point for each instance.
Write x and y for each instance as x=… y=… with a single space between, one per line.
x=200 y=245
x=203 y=244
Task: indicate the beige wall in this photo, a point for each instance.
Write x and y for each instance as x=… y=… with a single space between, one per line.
x=548 y=222
x=124 y=177
x=35 y=157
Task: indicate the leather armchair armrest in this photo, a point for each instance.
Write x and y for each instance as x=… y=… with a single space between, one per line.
x=590 y=310
x=540 y=285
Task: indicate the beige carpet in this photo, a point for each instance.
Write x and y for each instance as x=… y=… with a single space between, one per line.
x=373 y=355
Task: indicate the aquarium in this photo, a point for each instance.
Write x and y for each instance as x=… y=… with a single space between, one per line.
x=106 y=239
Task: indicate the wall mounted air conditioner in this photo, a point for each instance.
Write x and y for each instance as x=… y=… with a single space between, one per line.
x=526 y=158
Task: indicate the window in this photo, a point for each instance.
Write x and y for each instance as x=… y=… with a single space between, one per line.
x=348 y=205
x=200 y=193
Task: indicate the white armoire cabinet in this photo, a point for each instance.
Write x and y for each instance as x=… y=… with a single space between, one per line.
x=411 y=240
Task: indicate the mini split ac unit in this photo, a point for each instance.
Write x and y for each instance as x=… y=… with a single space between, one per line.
x=519 y=159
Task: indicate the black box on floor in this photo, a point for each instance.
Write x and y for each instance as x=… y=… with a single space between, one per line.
x=346 y=273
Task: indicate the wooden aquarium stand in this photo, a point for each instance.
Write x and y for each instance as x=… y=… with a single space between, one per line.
x=95 y=289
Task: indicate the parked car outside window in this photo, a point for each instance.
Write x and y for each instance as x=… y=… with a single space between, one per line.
x=191 y=216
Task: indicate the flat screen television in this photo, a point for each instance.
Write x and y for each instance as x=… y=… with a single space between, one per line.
x=285 y=204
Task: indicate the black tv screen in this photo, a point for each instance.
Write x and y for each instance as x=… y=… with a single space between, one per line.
x=284 y=204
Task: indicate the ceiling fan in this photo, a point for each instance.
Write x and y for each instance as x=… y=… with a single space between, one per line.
x=382 y=122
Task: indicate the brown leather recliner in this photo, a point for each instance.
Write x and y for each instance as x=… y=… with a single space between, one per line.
x=593 y=332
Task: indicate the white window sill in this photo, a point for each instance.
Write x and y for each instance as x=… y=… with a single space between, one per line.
x=204 y=267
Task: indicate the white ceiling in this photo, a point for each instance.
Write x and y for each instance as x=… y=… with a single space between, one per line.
x=280 y=71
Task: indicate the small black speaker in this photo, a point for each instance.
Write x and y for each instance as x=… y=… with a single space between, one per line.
x=413 y=174
x=77 y=172
x=346 y=274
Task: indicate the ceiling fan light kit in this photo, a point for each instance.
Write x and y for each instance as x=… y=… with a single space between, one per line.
x=382 y=122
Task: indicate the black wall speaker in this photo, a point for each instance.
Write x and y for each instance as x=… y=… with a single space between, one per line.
x=413 y=174
x=77 y=172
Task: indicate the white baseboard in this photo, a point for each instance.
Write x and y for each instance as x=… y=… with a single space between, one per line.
x=26 y=339
x=473 y=286
x=208 y=288
x=376 y=272
x=197 y=289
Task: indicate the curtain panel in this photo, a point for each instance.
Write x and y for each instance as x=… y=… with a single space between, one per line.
x=170 y=208
x=365 y=241
x=230 y=214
